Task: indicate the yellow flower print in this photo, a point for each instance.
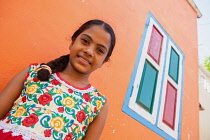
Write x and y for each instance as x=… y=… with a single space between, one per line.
x=89 y=109
x=21 y=110
x=94 y=93
x=18 y=100
x=15 y=106
x=90 y=119
x=31 y=89
x=77 y=130
x=99 y=104
x=59 y=91
x=57 y=123
x=48 y=111
x=79 y=138
x=69 y=102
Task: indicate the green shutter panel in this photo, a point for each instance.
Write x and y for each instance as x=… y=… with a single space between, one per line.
x=174 y=65
x=147 y=87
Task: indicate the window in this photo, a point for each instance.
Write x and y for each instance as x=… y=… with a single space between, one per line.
x=154 y=94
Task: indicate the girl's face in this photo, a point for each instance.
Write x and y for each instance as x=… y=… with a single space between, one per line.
x=90 y=49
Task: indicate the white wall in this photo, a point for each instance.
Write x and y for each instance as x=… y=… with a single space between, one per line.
x=204 y=98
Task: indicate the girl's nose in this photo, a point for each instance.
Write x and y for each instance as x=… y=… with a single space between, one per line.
x=89 y=51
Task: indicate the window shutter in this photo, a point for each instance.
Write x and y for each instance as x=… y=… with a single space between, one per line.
x=147 y=87
x=155 y=45
x=170 y=106
x=174 y=66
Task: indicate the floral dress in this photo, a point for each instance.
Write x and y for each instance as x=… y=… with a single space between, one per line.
x=52 y=109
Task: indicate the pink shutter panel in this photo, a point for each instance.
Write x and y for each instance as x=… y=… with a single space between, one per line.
x=155 y=45
x=170 y=106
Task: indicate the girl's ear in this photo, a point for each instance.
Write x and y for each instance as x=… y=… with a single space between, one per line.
x=70 y=46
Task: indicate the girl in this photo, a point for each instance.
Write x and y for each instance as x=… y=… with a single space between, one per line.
x=56 y=100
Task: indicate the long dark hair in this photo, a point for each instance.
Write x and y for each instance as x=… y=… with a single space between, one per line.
x=61 y=63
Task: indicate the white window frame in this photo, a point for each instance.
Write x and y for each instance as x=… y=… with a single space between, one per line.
x=162 y=125
x=145 y=56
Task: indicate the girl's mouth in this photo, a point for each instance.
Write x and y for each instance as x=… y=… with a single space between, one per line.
x=84 y=61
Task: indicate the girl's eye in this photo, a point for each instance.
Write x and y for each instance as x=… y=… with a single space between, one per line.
x=85 y=41
x=101 y=51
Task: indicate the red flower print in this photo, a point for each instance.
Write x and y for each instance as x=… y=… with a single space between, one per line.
x=83 y=128
x=99 y=94
x=47 y=133
x=61 y=109
x=81 y=116
x=30 y=120
x=8 y=121
x=34 y=64
x=95 y=109
x=55 y=82
x=35 y=79
x=86 y=96
x=68 y=137
x=70 y=90
x=24 y=99
x=45 y=99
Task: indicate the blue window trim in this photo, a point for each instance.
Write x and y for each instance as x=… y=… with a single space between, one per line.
x=133 y=114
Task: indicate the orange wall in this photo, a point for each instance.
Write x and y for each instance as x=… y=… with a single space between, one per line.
x=38 y=31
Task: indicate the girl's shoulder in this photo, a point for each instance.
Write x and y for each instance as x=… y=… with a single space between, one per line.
x=33 y=67
x=32 y=72
x=98 y=95
x=97 y=99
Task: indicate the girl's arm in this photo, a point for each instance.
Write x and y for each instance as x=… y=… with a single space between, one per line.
x=96 y=127
x=11 y=92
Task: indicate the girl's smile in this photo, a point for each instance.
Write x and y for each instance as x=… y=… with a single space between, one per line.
x=84 y=60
